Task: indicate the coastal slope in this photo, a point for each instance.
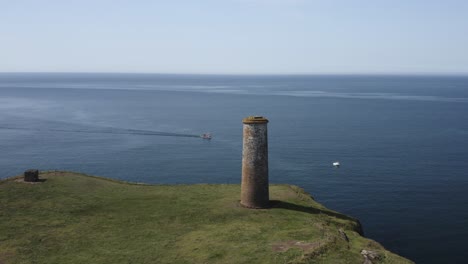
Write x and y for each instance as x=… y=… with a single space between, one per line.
x=75 y=218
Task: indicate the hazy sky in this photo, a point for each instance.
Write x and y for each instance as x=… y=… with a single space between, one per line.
x=235 y=36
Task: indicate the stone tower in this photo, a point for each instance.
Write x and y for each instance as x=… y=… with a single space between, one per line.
x=254 y=187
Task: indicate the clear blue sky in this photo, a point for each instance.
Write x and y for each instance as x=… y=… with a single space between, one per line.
x=235 y=36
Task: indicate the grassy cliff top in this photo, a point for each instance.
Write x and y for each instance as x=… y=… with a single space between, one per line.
x=75 y=218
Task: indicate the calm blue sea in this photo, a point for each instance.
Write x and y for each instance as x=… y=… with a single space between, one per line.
x=402 y=141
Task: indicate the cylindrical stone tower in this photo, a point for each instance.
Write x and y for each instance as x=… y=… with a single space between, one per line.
x=254 y=187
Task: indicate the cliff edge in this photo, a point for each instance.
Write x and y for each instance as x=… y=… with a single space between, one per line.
x=75 y=218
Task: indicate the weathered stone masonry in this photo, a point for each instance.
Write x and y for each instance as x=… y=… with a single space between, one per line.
x=254 y=187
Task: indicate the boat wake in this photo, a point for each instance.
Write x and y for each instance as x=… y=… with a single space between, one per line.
x=106 y=130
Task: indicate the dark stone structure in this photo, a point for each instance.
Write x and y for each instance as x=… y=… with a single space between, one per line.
x=31 y=175
x=254 y=186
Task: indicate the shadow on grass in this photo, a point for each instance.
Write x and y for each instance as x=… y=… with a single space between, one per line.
x=312 y=210
x=307 y=209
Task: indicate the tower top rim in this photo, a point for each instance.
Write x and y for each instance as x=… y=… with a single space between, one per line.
x=255 y=120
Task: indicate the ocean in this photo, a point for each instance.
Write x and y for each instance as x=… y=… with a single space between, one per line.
x=402 y=141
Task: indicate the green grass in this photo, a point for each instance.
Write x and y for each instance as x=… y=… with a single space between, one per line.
x=75 y=218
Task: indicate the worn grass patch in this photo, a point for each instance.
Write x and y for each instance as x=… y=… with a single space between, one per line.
x=75 y=218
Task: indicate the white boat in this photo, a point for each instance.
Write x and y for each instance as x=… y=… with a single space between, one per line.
x=336 y=164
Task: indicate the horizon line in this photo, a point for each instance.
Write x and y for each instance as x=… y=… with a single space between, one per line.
x=251 y=74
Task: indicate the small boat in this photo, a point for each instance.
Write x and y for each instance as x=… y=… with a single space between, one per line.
x=206 y=136
x=336 y=164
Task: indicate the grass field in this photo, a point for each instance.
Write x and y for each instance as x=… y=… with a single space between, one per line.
x=75 y=218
